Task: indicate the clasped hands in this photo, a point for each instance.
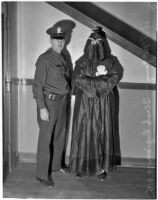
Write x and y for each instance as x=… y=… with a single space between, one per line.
x=101 y=70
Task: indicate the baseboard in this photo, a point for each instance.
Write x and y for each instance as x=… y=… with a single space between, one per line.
x=27 y=157
x=125 y=161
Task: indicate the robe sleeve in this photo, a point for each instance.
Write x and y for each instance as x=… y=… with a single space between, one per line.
x=108 y=82
x=83 y=82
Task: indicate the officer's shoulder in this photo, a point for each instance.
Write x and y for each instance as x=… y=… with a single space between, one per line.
x=66 y=52
x=44 y=55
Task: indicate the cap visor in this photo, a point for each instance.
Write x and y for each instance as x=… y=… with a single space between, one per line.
x=58 y=36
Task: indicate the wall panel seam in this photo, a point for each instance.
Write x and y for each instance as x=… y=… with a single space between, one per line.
x=121 y=85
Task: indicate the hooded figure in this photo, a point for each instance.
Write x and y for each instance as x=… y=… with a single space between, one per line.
x=95 y=145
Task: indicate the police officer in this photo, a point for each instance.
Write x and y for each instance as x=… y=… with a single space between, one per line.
x=50 y=89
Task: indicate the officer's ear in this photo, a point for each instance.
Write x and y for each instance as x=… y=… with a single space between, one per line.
x=50 y=41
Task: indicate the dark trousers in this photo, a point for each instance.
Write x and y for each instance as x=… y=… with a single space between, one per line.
x=51 y=138
x=68 y=115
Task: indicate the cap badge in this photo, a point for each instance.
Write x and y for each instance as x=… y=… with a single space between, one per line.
x=59 y=30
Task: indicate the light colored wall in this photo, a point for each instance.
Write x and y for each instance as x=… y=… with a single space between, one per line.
x=139 y=15
x=33 y=20
x=28 y=128
x=33 y=41
x=137 y=123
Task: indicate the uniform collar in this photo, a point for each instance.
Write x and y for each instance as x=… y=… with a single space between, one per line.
x=55 y=53
x=57 y=56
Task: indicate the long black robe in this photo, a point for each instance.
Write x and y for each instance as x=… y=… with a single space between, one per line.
x=95 y=136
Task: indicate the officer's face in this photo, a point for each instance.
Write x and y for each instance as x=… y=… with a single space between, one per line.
x=58 y=44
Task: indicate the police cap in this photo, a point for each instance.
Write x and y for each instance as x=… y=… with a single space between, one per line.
x=56 y=32
x=60 y=29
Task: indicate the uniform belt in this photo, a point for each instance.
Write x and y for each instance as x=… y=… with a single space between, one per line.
x=53 y=96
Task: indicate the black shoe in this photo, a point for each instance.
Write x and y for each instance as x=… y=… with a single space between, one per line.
x=79 y=175
x=48 y=183
x=65 y=167
x=102 y=176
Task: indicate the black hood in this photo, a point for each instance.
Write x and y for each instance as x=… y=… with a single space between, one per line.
x=97 y=47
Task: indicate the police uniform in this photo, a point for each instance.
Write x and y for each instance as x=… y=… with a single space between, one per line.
x=50 y=89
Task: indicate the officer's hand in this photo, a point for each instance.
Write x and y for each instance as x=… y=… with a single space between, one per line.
x=44 y=114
